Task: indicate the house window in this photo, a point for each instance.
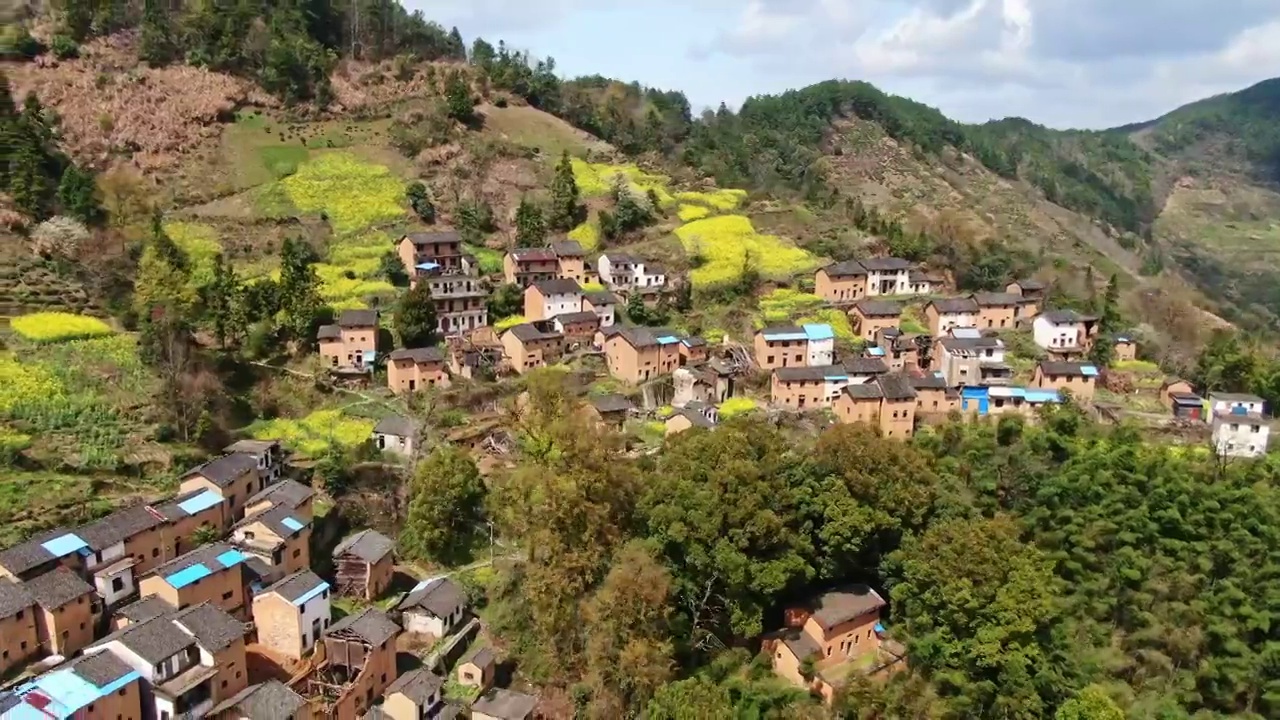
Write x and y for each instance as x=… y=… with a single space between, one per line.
x=227 y=595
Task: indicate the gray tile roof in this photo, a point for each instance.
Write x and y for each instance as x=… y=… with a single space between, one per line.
x=955 y=344
x=955 y=305
x=601 y=297
x=636 y=337
x=152 y=640
x=886 y=264
x=878 y=308
x=440 y=597
x=528 y=332
x=578 y=317
x=328 y=332
x=368 y=545
x=568 y=248
x=559 y=286
x=224 y=470
x=864 y=391
x=505 y=704
x=1050 y=367
x=896 y=386
x=274 y=518
x=799 y=643
x=1030 y=284
x=1062 y=316
x=286 y=493
x=781 y=330
x=13 y=597
x=152 y=606
x=271 y=700
x=31 y=554
x=996 y=299
x=396 y=425
x=809 y=373
x=370 y=625
x=249 y=446
x=214 y=629
x=693 y=416
x=435 y=236
x=358 y=318
x=206 y=555
x=101 y=669
x=481 y=658
x=832 y=608
x=928 y=381
x=848 y=268
x=418 y=355
x=865 y=366
x=417 y=685
x=57 y=588
x=612 y=402
x=119 y=526
x=533 y=254
x=294 y=586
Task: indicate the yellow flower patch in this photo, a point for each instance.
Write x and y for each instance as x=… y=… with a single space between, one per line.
x=313 y=435
x=689 y=213
x=507 y=323
x=724 y=242
x=200 y=244
x=736 y=406
x=587 y=235
x=25 y=385
x=723 y=199
x=597 y=179
x=46 y=327
x=353 y=193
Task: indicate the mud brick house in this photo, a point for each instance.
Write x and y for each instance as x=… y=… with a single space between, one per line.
x=1080 y=379
x=528 y=346
x=611 y=409
x=433 y=607
x=443 y=249
x=636 y=354
x=185 y=515
x=277 y=537
x=838 y=634
x=397 y=435
x=934 y=398
x=121 y=543
x=888 y=402
x=365 y=564
x=779 y=346
x=417 y=369
x=943 y=314
x=546 y=299
x=1027 y=288
x=805 y=388
x=90 y=687
x=414 y=695
x=526 y=266
x=271 y=700
x=292 y=614
x=220 y=637
x=140 y=611
x=476 y=669
x=235 y=476
x=694 y=414
x=571 y=259
x=842 y=283
x=872 y=316
x=211 y=573
x=19 y=641
x=1000 y=311
x=66 y=611
x=1124 y=349
x=43 y=553
x=359 y=658
x=500 y=704
x=351 y=343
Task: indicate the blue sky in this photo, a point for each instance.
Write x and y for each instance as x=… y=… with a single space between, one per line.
x=1065 y=63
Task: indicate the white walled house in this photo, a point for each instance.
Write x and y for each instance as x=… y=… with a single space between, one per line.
x=627 y=272
x=433 y=607
x=887 y=276
x=1220 y=402
x=1239 y=433
x=604 y=304
x=822 y=344
x=1058 y=329
x=548 y=298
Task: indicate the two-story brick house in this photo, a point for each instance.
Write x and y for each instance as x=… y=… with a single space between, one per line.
x=527 y=346
x=292 y=614
x=943 y=314
x=546 y=299
x=526 y=266
x=836 y=630
x=352 y=342
x=278 y=537
x=888 y=402
x=210 y=573
x=1080 y=379
x=410 y=370
x=779 y=346
x=234 y=476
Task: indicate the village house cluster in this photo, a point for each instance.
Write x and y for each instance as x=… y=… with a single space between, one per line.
x=206 y=605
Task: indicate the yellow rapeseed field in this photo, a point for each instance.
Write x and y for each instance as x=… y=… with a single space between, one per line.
x=354 y=194
x=45 y=327
x=736 y=406
x=723 y=199
x=314 y=434
x=509 y=322
x=200 y=244
x=596 y=179
x=785 y=305
x=689 y=213
x=25 y=384
x=724 y=241
x=587 y=234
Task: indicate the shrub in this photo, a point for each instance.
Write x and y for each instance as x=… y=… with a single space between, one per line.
x=48 y=327
x=59 y=237
x=64 y=47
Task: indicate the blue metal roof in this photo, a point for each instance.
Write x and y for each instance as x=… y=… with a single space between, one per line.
x=292 y=524
x=201 y=502
x=668 y=340
x=231 y=558
x=973 y=393
x=313 y=592
x=879 y=628
x=875 y=351
x=64 y=545
x=1043 y=396
x=774 y=337
x=830 y=378
x=183 y=578
x=67 y=693
x=819 y=331
x=1089 y=370
x=1007 y=392
x=427 y=266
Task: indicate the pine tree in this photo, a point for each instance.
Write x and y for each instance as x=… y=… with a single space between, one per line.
x=415 y=317
x=566 y=208
x=155 y=44
x=299 y=287
x=77 y=195
x=220 y=299
x=458 y=99
x=531 y=229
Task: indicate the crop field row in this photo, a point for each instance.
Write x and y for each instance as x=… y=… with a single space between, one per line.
x=726 y=243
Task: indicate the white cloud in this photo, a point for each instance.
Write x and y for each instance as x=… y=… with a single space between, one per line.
x=1063 y=62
